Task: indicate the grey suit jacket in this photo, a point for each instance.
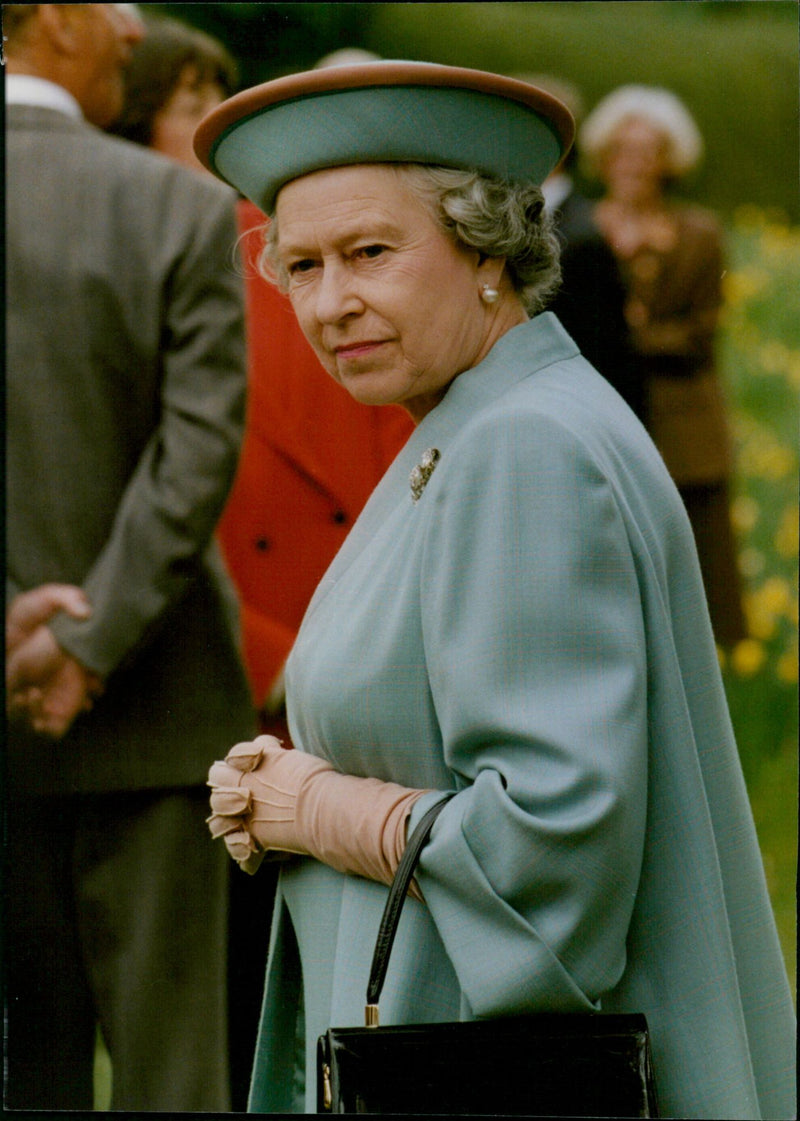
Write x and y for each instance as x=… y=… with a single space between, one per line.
x=126 y=384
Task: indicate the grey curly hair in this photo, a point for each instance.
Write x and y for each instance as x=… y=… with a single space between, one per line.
x=498 y=218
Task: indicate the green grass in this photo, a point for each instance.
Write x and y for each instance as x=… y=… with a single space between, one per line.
x=773 y=797
x=102 y=1076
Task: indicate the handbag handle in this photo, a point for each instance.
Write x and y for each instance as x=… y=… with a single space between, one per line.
x=394 y=905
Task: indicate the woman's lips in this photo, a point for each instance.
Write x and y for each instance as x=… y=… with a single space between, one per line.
x=358 y=350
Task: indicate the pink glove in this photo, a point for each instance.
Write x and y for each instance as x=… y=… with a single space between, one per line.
x=265 y=798
x=241 y=799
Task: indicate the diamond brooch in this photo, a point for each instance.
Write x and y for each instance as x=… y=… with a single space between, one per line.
x=422 y=472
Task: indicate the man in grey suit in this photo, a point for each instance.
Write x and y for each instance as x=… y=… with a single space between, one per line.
x=125 y=407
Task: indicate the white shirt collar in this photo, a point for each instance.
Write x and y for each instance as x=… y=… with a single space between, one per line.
x=27 y=89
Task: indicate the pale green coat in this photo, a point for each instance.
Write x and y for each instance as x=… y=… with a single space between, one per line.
x=533 y=632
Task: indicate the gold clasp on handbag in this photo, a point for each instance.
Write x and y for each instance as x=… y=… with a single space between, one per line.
x=371 y=1017
x=327 y=1093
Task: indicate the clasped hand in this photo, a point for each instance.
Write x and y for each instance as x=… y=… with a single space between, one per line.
x=46 y=686
x=267 y=799
x=254 y=793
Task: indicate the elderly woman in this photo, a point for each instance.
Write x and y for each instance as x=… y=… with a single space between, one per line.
x=639 y=141
x=517 y=616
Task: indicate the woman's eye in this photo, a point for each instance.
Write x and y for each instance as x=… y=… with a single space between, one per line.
x=305 y=265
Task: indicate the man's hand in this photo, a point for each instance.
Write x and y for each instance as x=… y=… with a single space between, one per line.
x=29 y=610
x=45 y=685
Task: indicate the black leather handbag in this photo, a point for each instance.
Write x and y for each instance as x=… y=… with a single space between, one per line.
x=548 y=1064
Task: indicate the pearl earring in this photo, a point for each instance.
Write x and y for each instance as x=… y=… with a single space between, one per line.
x=489 y=295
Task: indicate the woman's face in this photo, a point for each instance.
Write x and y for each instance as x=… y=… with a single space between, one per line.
x=635 y=162
x=175 y=123
x=389 y=303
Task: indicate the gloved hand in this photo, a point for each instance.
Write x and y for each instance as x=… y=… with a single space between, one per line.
x=242 y=797
x=266 y=799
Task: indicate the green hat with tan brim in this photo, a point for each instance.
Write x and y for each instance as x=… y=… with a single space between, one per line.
x=383 y=112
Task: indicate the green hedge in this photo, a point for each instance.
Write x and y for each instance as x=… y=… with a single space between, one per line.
x=734 y=64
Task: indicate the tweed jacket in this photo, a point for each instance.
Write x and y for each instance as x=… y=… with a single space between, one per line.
x=126 y=386
x=531 y=632
x=311 y=458
x=681 y=288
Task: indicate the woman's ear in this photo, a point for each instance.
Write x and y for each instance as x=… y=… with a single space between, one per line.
x=490 y=270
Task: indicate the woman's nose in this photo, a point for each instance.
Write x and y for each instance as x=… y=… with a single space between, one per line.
x=336 y=296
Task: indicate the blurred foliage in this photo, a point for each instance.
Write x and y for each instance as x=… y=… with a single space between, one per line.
x=759 y=351
x=760 y=360
x=734 y=62
x=273 y=39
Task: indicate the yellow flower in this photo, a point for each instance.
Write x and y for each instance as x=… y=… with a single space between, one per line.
x=774 y=356
x=751 y=562
x=775 y=595
x=778 y=240
x=764 y=458
x=793 y=370
x=743 y=284
x=744 y=513
x=788 y=532
x=747 y=657
x=786 y=667
x=760 y=623
x=766 y=604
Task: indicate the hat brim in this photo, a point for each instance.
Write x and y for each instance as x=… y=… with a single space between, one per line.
x=383 y=112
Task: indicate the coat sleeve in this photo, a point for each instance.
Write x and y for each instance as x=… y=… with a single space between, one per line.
x=176 y=493
x=535 y=648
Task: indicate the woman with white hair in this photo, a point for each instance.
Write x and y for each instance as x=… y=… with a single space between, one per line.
x=638 y=141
